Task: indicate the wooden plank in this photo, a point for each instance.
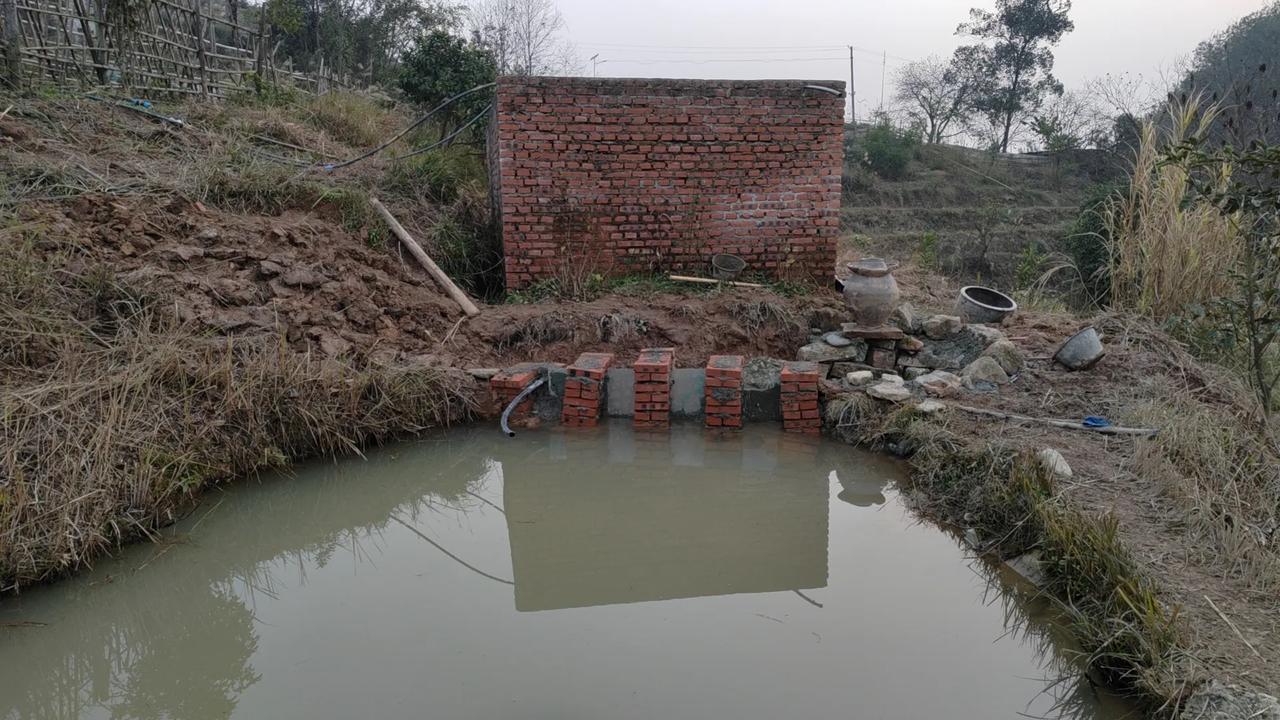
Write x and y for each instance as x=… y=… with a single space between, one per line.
x=713 y=281
x=425 y=260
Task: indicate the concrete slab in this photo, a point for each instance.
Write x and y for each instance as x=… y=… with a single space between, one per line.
x=688 y=392
x=621 y=400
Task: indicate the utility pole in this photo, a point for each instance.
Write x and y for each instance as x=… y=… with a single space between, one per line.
x=853 y=93
x=595 y=65
x=884 y=61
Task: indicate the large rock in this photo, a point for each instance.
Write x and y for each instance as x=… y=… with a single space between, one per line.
x=892 y=392
x=939 y=383
x=1052 y=461
x=985 y=334
x=1007 y=354
x=820 y=351
x=984 y=370
x=1216 y=701
x=906 y=319
x=941 y=327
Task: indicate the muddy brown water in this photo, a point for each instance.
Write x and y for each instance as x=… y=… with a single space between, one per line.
x=592 y=575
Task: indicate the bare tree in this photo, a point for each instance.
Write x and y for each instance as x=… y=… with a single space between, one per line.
x=524 y=36
x=936 y=96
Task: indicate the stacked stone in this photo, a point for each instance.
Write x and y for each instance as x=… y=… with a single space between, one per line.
x=653 y=388
x=584 y=389
x=507 y=384
x=800 y=397
x=724 y=391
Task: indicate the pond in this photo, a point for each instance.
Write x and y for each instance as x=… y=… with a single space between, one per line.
x=590 y=574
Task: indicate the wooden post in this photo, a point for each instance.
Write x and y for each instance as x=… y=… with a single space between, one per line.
x=12 y=43
x=197 y=29
x=261 y=48
x=425 y=260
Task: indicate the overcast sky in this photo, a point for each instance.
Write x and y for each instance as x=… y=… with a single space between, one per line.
x=807 y=39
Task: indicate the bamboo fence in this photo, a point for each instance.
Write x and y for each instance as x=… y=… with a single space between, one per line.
x=156 y=47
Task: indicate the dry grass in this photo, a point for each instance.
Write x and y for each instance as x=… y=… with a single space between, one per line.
x=1168 y=250
x=1225 y=478
x=112 y=417
x=756 y=315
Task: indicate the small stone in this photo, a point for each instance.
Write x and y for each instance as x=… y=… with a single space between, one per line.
x=1007 y=354
x=931 y=407
x=302 y=277
x=971 y=537
x=889 y=391
x=268 y=268
x=939 y=383
x=860 y=378
x=914 y=373
x=910 y=345
x=186 y=252
x=1053 y=461
x=906 y=319
x=208 y=234
x=891 y=378
x=836 y=340
x=941 y=327
x=984 y=369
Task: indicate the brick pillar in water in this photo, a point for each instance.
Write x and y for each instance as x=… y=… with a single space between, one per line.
x=724 y=391
x=800 y=397
x=507 y=384
x=653 y=388
x=584 y=389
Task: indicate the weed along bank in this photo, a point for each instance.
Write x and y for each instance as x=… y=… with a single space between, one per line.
x=441 y=383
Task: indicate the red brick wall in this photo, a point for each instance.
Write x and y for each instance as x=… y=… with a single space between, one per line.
x=614 y=175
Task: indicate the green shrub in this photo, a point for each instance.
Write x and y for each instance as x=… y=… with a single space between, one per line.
x=1088 y=241
x=889 y=151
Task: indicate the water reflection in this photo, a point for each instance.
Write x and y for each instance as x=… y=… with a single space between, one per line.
x=657 y=520
x=369 y=587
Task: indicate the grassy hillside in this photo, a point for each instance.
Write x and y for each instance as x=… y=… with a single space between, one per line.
x=967 y=213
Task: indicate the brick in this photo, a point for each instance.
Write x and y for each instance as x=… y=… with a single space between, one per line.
x=749 y=167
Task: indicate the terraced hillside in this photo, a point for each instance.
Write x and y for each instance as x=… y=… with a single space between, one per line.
x=968 y=214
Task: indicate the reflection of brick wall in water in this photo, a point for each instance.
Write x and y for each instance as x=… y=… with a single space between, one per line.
x=617 y=176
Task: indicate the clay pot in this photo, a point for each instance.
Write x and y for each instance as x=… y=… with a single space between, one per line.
x=1082 y=350
x=983 y=305
x=871 y=292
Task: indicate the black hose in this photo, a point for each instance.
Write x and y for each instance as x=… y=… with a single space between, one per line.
x=402 y=133
x=451 y=136
x=506 y=429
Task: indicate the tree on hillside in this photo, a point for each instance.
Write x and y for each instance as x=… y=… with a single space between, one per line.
x=937 y=96
x=441 y=65
x=1015 y=59
x=366 y=37
x=525 y=37
x=1070 y=121
x=1221 y=63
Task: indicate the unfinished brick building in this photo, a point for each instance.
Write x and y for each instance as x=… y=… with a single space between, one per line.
x=612 y=176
